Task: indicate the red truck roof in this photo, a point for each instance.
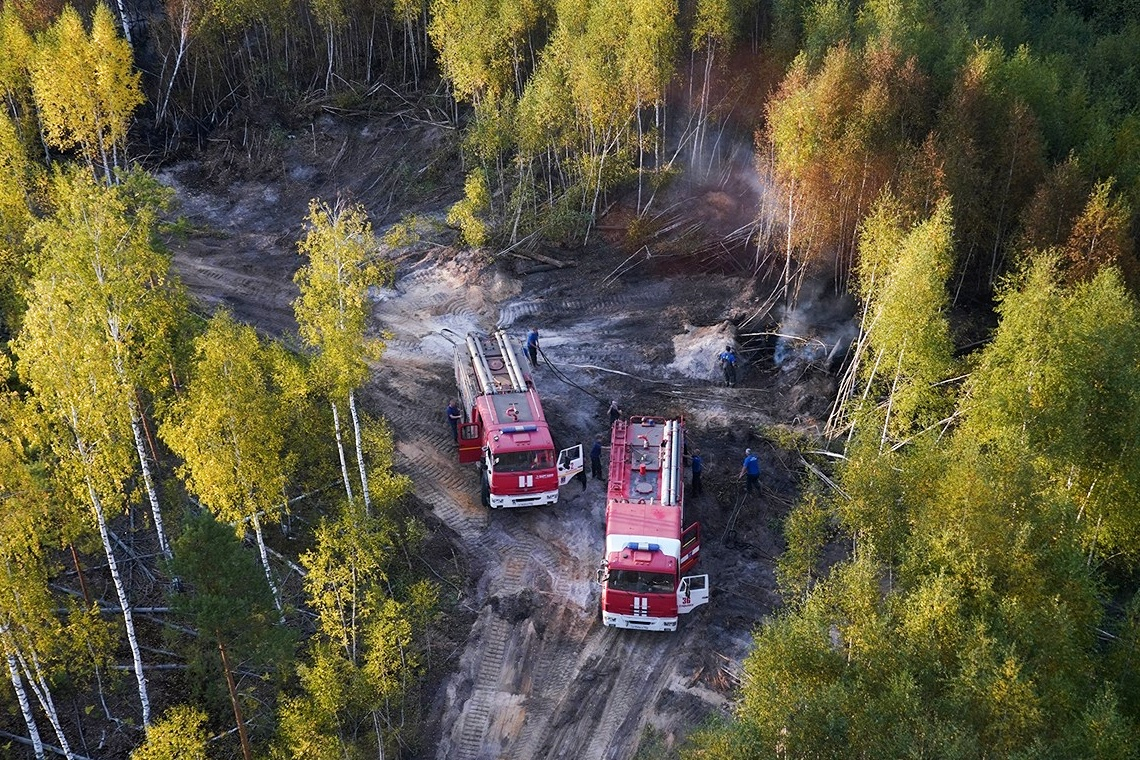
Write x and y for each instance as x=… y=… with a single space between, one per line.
x=515 y=421
x=644 y=498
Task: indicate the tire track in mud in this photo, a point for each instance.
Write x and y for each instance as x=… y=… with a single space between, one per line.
x=436 y=480
x=639 y=659
x=616 y=672
x=476 y=715
x=513 y=549
x=614 y=301
x=556 y=672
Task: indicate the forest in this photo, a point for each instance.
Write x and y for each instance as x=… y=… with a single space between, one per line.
x=969 y=171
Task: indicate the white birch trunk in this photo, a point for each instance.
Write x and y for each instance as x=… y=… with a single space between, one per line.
x=340 y=450
x=126 y=23
x=265 y=561
x=183 y=44
x=43 y=695
x=124 y=604
x=25 y=705
x=788 y=248
x=360 y=454
x=136 y=424
x=148 y=480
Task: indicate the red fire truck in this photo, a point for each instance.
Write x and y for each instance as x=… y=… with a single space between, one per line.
x=648 y=547
x=503 y=429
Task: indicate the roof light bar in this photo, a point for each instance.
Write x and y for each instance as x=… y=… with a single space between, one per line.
x=643 y=547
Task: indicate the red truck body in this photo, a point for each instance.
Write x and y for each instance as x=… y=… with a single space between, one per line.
x=504 y=430
x=648 y=547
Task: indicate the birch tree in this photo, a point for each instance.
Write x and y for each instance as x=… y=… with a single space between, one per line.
x=904 y=350
x=86 y=87
x=60 y=360
x=17 y=177
x=229 y=430
x=17 y=50
x=332 y=312
x=368 y=653
x=23 y=575
x=99 y=250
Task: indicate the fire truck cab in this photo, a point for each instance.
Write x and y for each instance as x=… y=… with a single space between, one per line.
x=503 y=429
x=648 y=548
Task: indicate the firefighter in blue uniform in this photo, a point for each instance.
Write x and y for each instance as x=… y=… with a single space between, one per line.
x=751 y=468
x=532 y=346
x=728 y=365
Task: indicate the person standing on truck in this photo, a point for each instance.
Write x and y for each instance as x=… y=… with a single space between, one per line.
x=728 y=365
x=454 y=416
x=751 y=468
x=532 y=346
x=596 y=458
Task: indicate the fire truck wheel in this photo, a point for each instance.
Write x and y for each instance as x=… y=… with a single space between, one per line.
x=485 y=492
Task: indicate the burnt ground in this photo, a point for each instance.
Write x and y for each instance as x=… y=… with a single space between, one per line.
x=537 y=675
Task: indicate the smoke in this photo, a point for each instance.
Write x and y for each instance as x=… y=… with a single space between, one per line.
x=819 y=327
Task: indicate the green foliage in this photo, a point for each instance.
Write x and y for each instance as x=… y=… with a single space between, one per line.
x=716 y=22
x=228 y=427
x=365 y=661
x=837 y=135
x=101 y=310
x=466 y=213
x=484 y=44
x=1060 y=375
x=827 y=23
x=63 y=639
x=972 y=618
x=85 y=86
x=179 y=735
x=333 y=306
x=17 y=184
x=906 y=343
x=223 y=593
x=805 y=531
x=565 y=109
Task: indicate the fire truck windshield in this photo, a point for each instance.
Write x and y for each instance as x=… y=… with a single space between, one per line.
x=524 y=461
x=640 y=582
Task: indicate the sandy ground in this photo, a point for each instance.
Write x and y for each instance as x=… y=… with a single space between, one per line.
x=539 y=676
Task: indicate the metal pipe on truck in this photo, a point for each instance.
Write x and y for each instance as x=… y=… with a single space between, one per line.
x=479 y=363
x=509 y=359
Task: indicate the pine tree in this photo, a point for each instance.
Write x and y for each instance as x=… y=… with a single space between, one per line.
x=223 y=598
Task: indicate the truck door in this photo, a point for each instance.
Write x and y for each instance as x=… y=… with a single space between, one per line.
x=692 y=593
x=690 y=547
x=470 y=442
x=571 y=461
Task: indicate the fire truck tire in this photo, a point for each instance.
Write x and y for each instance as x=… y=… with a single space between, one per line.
x=484 y=491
